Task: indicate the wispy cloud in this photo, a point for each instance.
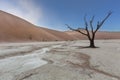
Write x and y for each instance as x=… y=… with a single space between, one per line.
x=25 y=9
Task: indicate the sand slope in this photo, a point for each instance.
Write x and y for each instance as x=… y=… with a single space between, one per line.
x=13 y=28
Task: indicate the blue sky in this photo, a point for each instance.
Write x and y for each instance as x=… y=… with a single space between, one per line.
x=55 y=14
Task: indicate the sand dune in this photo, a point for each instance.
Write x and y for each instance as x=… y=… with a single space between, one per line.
x=13 y=28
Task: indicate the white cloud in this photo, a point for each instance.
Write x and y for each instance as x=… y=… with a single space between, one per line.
x=25 y=9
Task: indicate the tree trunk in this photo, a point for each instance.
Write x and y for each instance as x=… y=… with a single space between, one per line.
x=92 y=44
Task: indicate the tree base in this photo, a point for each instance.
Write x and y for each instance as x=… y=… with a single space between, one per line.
x=92 y=46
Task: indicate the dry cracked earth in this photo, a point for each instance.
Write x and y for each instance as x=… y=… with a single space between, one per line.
x=60 y=61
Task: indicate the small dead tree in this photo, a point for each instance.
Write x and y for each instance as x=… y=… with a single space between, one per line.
x=90 y=32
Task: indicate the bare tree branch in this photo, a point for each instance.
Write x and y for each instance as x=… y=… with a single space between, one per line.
x=91 y=24
x=78 y=30
x=99 y=24
x=86 y=28
x=81 y=28
x=86 y=24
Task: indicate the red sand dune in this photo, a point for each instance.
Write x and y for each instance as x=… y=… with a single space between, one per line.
x=14 y=29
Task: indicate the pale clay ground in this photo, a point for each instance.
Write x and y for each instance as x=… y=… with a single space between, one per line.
x=66 y=60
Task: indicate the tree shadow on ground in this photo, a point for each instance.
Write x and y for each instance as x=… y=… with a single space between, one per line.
x=83 y=47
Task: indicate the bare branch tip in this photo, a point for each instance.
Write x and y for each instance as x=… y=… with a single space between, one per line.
x=110 y=12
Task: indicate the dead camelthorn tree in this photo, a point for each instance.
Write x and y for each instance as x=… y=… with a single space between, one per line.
x=90 y=32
